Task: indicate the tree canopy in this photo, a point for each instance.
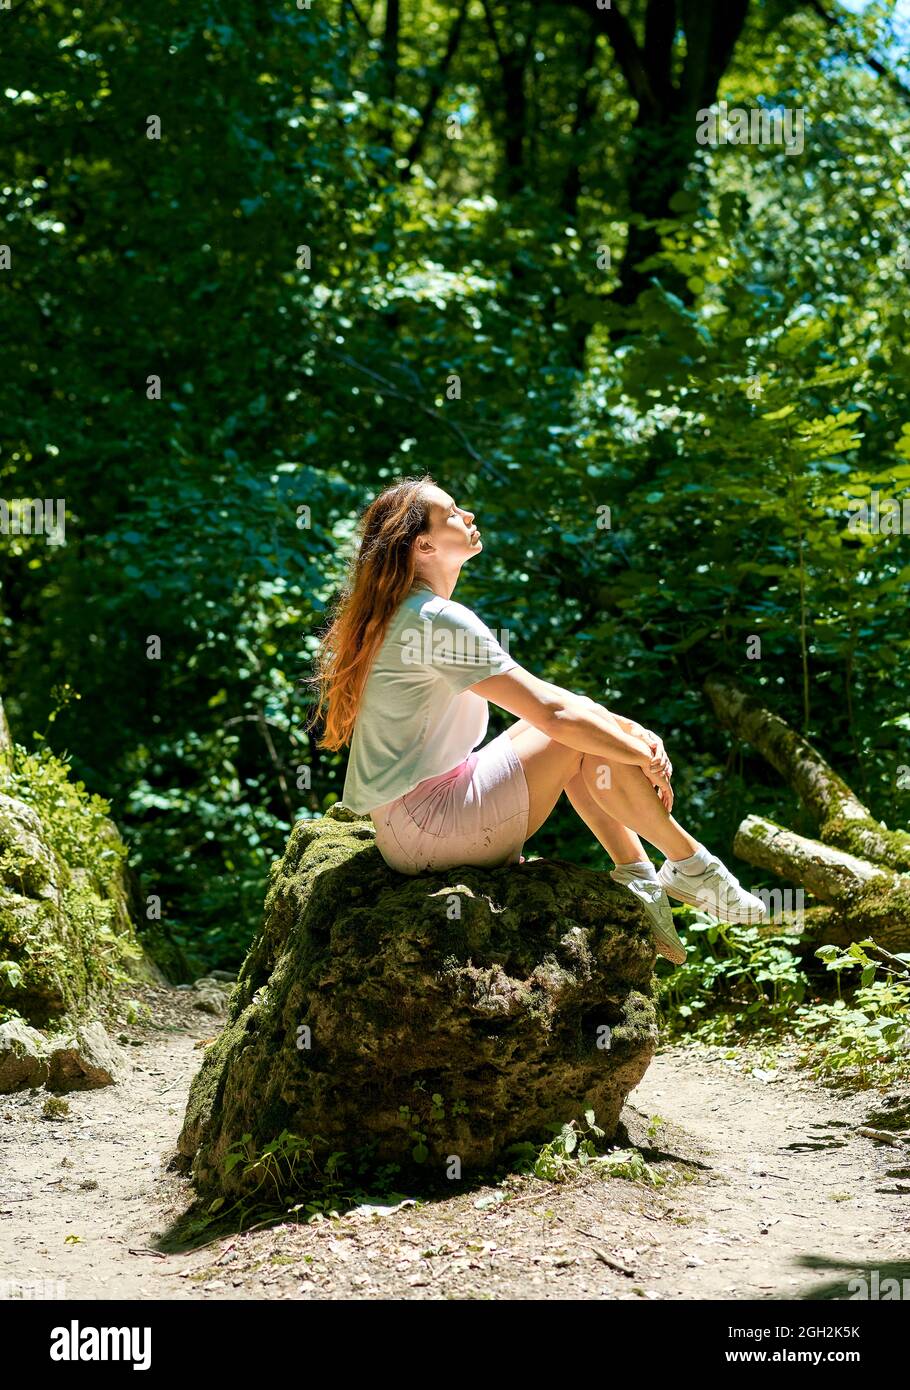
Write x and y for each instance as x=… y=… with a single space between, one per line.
x=260 y=259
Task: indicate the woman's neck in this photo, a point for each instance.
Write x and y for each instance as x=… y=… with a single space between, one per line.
x=438 y=582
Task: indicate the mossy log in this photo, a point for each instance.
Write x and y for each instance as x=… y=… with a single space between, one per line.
x=423 y=1022
x=858 y=865
x=871 y=900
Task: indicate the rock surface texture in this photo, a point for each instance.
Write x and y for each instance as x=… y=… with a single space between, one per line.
x=425 y=1022
x=67 y=932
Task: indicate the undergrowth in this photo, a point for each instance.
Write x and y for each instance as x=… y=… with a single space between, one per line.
x=848 y=1015
x=290 y=1179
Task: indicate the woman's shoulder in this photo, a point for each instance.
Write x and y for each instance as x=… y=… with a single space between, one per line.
x=449 y=610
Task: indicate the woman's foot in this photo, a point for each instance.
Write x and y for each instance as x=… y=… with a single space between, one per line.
x=650 y=893
x=704 y=882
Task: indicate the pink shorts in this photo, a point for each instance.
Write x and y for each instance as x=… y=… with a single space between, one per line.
x=477 y=813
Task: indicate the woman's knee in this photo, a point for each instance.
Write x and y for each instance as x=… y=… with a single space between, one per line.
x=601 y=775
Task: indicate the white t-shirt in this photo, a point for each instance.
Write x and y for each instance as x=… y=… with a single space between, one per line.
x=417 y=718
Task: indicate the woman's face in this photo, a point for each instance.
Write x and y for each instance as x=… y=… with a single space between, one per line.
x=452 y=532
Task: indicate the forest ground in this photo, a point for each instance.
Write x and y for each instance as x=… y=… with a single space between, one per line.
x=770 y=1193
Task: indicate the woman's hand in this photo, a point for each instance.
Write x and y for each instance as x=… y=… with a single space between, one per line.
x=659 y=752
x=661 y=782
x=661 y=769
x=657 y=768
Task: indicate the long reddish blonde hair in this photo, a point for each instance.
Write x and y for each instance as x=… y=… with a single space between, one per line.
x=379 y=577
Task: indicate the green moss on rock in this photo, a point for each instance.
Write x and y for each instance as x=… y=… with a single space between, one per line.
x=66 y=934
x=521 y=996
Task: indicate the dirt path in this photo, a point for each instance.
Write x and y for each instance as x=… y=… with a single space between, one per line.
x=770 y=1193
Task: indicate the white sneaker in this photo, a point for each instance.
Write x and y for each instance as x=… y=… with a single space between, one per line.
x=715 y=890
x=652 y=897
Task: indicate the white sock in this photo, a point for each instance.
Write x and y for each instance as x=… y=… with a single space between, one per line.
x=642 y=868
x=695 y=863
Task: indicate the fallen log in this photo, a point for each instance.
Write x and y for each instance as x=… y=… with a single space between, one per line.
x=871 y=900
x=842 y=819
x=858 y=866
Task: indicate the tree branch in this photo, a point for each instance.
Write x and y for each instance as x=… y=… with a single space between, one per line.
x=437 y=82
x=834 y=21
x=628 y=55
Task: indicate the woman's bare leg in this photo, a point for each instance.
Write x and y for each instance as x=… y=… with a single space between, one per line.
x=621 y=843
x=626 y=802
x=548 y=766
x=624 y=792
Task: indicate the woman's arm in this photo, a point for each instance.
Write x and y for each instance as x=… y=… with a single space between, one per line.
x=654 y=740
x=575 y=720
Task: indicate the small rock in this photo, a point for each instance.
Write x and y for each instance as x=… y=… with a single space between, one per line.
x=213 y=995
x=85 y=1060
x=23 y=1057
x=211 y=1002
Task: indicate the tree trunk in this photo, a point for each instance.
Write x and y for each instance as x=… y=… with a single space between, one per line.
x=390 y=67
x=858 y=867
x=843 y=820
x=513 y=62
x=6 y=745
x=437 y=83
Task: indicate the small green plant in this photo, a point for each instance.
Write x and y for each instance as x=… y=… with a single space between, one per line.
x=419 y=1151
x=76 y=824
x=285 y=1168
x=136 y=1011
x=436 y=1114
x=630 y=1163
x=575 y=1147
x=733 y=978
x=737 y=980
x=654 y=1125
x=55 y=1108
x=11 y=972
x=871 y=1032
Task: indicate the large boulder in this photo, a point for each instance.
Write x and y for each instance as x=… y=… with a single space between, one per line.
x=428 y=1022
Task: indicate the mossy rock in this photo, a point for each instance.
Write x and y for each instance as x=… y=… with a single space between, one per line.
x=66 y=931
x=422 y=1019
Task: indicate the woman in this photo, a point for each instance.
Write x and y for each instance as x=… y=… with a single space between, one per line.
x=405 y=673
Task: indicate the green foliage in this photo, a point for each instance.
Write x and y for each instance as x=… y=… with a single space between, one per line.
x=732 y=417
x=435 y=1116
x=76 y=820
x=738 y=982
x=84 y=858
x=734 y=978
x=574 y=1148
x=291 y=1167
x=866 y=1039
